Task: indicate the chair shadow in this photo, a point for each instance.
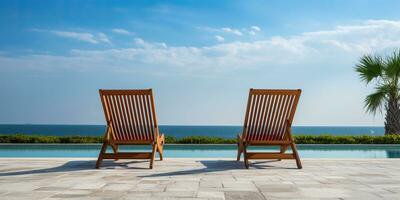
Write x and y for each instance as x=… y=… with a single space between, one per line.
x=258 y=166
x=211 y=166
x=76 y=165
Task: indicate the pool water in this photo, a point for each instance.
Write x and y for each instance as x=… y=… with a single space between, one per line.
x=199 y=151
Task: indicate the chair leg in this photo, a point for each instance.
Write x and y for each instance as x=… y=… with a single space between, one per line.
x=240 y=147
x=283 y=149
x=160 y=151
x=239 y=152
x=160 y=146
x=153 y=155
x=246 y=161
x=296 y=155
x=102 y=151
x=115 y=150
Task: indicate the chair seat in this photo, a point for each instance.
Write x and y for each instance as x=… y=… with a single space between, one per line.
x=263 y=142
x=128 y=142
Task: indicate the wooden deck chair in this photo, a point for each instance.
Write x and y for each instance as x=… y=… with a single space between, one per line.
x=131 y=120
x=268 y=121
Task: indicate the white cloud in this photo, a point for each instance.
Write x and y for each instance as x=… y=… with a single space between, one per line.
x=93 y=38
x=143 y=44
x=255 y=28
x=103 y=38
x=139 y=41
x=224 y=30
x=367 y=36
x=86 y=37
x=232 y=31
x=121 y=31
x=219 y=38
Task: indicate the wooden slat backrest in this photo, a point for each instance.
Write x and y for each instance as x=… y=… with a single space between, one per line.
x=268 y=113
x=130 y=114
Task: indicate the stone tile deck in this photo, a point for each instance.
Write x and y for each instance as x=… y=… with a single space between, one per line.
x=199 y=179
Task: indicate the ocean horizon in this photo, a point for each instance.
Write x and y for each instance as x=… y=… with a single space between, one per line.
x=179 y=131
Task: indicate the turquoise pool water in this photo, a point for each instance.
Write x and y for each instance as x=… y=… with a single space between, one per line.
x=199 y=151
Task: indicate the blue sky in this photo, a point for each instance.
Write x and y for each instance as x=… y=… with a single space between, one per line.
x=200 y=57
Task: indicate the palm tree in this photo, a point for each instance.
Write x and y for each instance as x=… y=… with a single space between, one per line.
x=384 y=73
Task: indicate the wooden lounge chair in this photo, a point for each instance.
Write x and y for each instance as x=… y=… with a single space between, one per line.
x=131 y=120
x=268 y=121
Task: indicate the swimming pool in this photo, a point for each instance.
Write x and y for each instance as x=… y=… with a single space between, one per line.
x=199 y=151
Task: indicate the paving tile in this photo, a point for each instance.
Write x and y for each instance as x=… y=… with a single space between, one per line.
x=211 y=194
x=137 y=195
x=69 y=196
x=210 y=184
x=89 y=185
x=243 y=195
x=325 y=192
x=148 y=187
x=26 y=195
x=117 y=187
x=183 y=186
x=51 y=189
x=107 y=194
x=175 y=194
x=277 y=187
x=76 y=192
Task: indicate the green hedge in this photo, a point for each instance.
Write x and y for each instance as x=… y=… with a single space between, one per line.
x=21 y=138
x=200 y=140
x=300 y=139
x=363 y=139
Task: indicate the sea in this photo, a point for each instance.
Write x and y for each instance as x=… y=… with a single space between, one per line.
x=179 y=131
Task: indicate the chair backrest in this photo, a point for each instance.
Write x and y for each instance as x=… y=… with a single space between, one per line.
x=268 y=114
x=130 y=114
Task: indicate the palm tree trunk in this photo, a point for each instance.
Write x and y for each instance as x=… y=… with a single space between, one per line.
x=392 y=119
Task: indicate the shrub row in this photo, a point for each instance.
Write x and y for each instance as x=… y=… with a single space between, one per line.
x=21 y=138
x=331 y=139
x=300 y=139
x=200 y=140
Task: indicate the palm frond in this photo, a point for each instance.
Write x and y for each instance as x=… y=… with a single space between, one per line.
x=375 y=101
x=392 y=69
x=370 y=68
